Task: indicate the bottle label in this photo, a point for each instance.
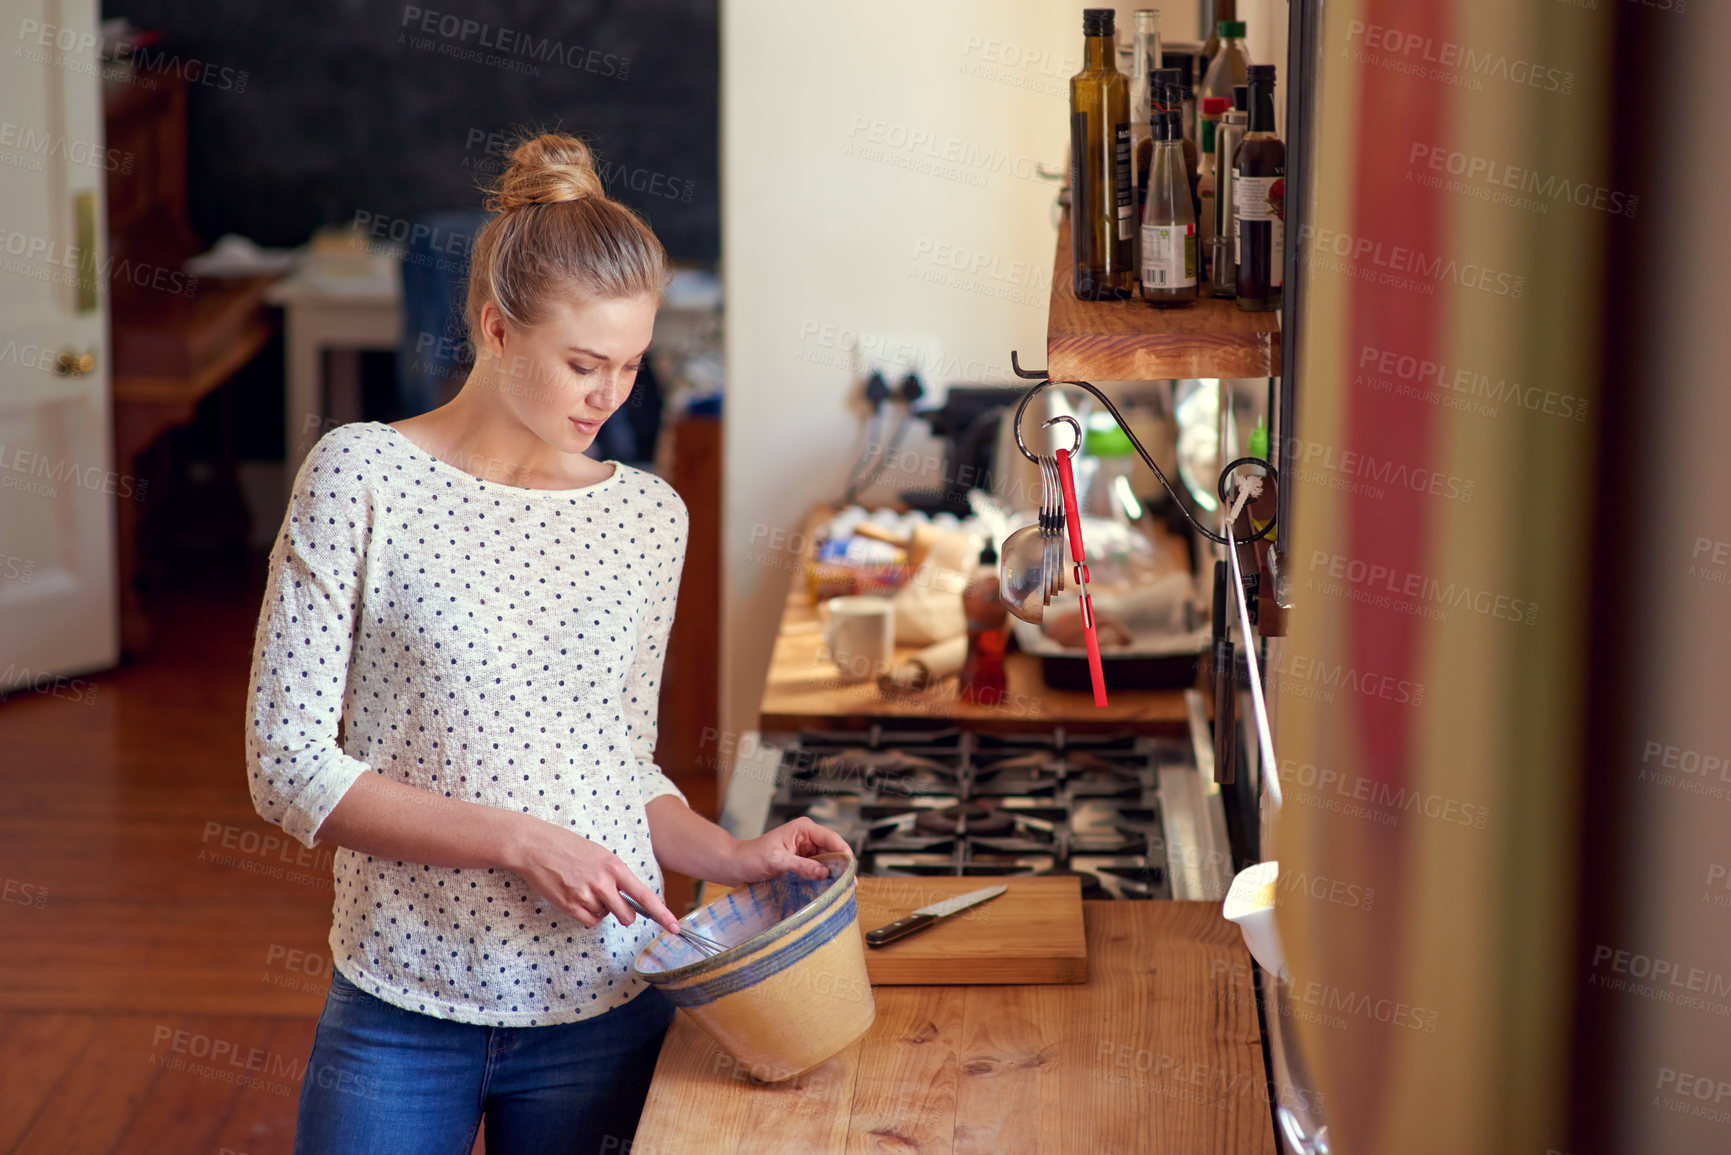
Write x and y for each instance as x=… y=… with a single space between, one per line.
x=1259 y=198
x=1168 y=256
x=1263 y=198
x=1123 y=182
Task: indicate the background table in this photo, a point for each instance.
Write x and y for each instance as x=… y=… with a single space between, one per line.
x=344 y=310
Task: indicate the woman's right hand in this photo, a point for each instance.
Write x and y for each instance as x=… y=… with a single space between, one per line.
x=580 y=877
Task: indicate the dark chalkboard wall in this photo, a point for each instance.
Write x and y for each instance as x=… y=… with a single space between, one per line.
x=392 y=109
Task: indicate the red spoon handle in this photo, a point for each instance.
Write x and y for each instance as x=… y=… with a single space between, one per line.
x=1073 y=522
x=1096 y=674
x=1072 y=515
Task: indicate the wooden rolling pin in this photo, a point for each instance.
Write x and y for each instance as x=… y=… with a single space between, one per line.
x=931 y=665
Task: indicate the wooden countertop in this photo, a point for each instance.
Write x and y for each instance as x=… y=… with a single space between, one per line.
x=802 y=692
x=1158 y=1052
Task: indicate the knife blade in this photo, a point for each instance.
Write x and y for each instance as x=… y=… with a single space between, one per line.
x=927 y=915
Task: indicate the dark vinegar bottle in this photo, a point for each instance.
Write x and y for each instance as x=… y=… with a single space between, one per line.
x=1259 y=199
x=1102 y=186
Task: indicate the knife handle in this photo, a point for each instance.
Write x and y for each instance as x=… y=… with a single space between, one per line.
x=900 y=928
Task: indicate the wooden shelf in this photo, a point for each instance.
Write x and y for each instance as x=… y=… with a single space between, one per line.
x=1129 y=341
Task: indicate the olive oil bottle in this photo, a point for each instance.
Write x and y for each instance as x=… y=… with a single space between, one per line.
x=1259 y=199
x=1102 y=186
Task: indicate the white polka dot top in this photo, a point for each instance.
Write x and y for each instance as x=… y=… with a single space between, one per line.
x=487 y=642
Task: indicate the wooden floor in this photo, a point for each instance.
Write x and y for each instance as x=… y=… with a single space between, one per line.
x=152 y=926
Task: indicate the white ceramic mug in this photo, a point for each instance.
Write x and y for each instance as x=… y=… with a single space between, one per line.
x=859 y=633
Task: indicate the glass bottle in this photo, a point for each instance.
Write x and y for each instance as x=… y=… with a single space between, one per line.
x=1259 y=196
x=1188 y=139
x=1223 y=266
x=1102 y=189
x=982 y=680
x=1226 y=67
x=1108 y=459
x=1169 y=218
x=1145 y=58
x=1207 y=185
x=1182 y=67
x=1159 y=81
x=1221 y=10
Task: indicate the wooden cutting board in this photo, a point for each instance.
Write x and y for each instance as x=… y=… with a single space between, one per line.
x=1032 y=933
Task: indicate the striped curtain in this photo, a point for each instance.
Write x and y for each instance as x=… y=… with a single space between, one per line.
x=1430 y=695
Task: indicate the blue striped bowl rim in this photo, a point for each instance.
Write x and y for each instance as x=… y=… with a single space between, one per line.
x=754 y=971
x=840 y=884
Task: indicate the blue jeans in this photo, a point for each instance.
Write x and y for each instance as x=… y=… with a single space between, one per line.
x=383 y=1080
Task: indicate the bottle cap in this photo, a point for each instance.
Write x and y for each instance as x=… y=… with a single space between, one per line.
x=1232 y=30
x=1098 y=21
x=1181 y=62
x=1163 y=93
x=1106 y=438
x=1259 y=72
x=1215 y=105
x=1241 y=97
x=989 y=555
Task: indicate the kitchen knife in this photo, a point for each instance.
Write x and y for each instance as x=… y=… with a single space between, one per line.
x=927 y=915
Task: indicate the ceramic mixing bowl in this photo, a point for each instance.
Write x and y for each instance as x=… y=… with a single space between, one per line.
x=791 y=989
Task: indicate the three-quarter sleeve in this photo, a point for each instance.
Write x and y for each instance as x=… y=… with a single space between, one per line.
x=297 y=772
x=642 y=694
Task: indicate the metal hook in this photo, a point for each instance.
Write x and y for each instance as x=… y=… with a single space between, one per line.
x=1016 y=428
x=1075 y=428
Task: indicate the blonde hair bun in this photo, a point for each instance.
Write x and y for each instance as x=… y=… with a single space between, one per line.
x=583 y=242
x=551 y=168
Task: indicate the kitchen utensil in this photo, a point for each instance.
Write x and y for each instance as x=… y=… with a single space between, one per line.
x=1225 y=681
x=1248 y=490
x=931 y=665
x=1052 y=525
x=702 y=942
x=859 y=632
x=1160 y=475
x=1067 y=479
x=793 y=991
x=1022 y=573
x=927 y=916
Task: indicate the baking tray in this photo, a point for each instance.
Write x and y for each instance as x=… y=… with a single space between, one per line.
x=1162 y=662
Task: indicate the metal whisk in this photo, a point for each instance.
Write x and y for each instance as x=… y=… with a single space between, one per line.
x=702 y=943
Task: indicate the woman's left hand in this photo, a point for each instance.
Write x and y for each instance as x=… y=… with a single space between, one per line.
x=786 y=848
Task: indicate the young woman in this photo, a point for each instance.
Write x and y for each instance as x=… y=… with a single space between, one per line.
x=455 y=682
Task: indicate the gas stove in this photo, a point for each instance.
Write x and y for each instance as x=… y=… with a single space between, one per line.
x=946 y=801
